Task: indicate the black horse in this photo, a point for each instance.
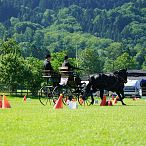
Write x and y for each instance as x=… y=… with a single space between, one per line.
x=101 y=82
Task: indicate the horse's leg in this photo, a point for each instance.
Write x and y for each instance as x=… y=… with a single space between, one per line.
x=101 y=94
x=121 y=98
x=122 y=93
x=92 y=98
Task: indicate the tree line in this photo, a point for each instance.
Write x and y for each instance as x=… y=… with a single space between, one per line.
x=98 y=36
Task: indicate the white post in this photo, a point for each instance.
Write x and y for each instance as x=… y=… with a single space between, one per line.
x=76 y=54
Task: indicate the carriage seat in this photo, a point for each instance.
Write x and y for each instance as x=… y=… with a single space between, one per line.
x=46 y=73
x=65 y=72
x=64 y=69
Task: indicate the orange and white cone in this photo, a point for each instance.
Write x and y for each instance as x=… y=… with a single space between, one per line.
x=109 y=102
x=115 y=101
x=1 y=101
x=103 y=102
x=59 y=104
x=24 y=98
x=5 y=103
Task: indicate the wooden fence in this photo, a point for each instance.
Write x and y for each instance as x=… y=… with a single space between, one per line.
x=21 y=91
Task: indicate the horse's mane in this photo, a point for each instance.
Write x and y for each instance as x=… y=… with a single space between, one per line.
x=98 y=74
x=107 y=74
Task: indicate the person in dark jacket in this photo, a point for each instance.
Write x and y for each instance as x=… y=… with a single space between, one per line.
x=73 y=76
x=49 y=72
x=47 y=64
x=67 y=64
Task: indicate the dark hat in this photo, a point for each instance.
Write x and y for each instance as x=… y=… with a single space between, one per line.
x=47 y=56
x=66 y=57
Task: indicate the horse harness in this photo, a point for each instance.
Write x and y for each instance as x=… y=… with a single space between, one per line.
x=117 y=81
x=124 y=81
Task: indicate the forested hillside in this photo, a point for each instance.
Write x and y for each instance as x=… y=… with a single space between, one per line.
x=110 y=34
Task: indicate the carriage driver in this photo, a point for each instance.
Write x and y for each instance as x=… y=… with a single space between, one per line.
x=67 y=64
x=71 y=68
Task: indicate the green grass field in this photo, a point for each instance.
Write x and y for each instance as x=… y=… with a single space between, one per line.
x=31 y=124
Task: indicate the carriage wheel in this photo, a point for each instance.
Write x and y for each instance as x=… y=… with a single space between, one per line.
x=45 y=95
x=65 y=90
x=88 y=100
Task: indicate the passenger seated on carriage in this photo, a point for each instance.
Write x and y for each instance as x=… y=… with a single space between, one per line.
x=48 y=71
x=68 y=71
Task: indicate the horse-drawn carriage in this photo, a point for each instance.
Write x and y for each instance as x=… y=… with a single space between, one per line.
x=67 y=83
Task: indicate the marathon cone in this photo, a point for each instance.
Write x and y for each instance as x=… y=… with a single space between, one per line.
x=5 y=103
x=59 y=103
x=0 y=102
x=81 y=101
x=103 y=102
x=24 y=98
x=115 y=101
x=109 y=102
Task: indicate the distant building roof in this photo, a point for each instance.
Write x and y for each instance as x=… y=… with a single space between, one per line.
x=132 y=75
x=136 y=73
x=137 y=78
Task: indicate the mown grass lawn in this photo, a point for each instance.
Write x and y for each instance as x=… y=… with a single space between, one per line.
x=31 y=124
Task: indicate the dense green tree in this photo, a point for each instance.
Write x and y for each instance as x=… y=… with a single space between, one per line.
x=90 y=62
x=9 y=46
x=34 y=74
x=47 y=17
x=114 y=50
x=16 y=71
x=14 y=21
x=144 y=65
x=57 y=60
x=124 y=61
x=110 y=27
x=12 y=67
x=108 y=65
x=28 y=35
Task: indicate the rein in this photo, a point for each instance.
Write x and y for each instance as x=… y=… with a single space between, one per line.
x=124 y=81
